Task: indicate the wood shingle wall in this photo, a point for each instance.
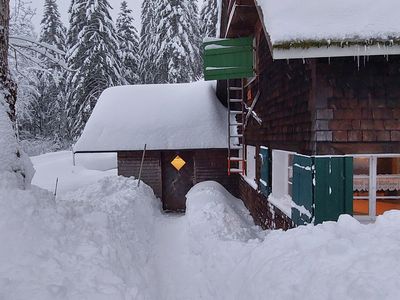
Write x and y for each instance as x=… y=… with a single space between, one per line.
x=129 y=165
x=358 y=108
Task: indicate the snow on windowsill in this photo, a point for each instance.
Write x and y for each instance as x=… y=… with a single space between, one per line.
x=283 y=203
x=250 y=181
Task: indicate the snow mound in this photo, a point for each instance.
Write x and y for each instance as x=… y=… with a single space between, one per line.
x=91 y=245
x=212 y=212
x=15 y=166
x=163 y=116
x=289 y=20
x=343 y=260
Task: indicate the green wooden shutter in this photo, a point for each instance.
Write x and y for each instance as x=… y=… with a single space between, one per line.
x=333 y=188
x=265 y=184
x=228 y=58
x=302 y=191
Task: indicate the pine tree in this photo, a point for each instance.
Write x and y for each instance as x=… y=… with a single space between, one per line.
x=93 y=56
x=178 y=39
x=209 y=18
x=50 y=104
x=128 y=44
x=147 y=42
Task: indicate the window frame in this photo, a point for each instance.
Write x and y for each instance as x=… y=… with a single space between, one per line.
x=373 y=175
x=251 y=177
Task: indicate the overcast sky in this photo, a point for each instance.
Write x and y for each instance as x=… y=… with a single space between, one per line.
x=63 y=5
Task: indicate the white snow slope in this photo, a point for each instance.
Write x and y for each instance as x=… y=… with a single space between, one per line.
x=163 y=116
x=109 y=240
x=291 y=20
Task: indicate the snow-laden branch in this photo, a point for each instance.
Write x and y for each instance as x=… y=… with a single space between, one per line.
x=53 y=54
x=40 y=44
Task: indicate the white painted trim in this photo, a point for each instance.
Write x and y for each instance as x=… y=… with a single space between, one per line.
x=334 y=51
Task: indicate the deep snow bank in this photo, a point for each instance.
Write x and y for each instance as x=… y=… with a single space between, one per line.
x=108 y=240
x=91 y=245
x=15 y=166
x=343 y=260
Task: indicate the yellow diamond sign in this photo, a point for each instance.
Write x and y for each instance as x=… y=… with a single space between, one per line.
x=178 y=163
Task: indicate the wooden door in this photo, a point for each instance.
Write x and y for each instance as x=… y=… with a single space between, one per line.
x=177 y=180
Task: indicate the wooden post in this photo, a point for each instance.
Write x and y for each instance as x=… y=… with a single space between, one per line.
x=141 y=164
x=73 y=158
x=55 y=190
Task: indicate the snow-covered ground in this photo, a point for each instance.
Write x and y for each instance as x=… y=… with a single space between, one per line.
x=88 y=168
x=109 y=240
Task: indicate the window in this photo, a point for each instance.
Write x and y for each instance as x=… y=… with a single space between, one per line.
x=264 y=172
x=290 y=174
x=282 y=180
x=282 y=173
x=376 y=185
x=251 y=166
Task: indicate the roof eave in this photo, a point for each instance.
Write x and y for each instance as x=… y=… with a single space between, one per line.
x=335 y=51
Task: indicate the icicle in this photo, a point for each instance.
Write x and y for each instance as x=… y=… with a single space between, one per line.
x=304 y=61
x=358 y=62
x=329 y=60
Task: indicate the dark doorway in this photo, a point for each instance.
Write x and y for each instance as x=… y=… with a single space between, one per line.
x=177 y=179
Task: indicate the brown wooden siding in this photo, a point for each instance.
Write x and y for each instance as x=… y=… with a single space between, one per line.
x=263 y=212
x=213 y=165
x=129 y=165
x=358 y=108
x=209 y=164
x=284 y=103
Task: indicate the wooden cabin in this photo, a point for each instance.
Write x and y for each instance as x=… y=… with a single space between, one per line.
x=321 y=135
x=183 y=127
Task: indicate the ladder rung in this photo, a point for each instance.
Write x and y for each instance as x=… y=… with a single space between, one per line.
x=236 y=136
x=234 y=88
x=236 y=124
x=236 y=170
x=236 y=158
x=235 y=100
x=236 y=112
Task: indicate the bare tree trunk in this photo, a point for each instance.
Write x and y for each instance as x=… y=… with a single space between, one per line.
x=6 y=83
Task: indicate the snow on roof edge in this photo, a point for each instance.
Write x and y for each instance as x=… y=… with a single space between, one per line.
x=281 y=24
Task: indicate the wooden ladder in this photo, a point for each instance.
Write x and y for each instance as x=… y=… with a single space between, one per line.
x=236 y=121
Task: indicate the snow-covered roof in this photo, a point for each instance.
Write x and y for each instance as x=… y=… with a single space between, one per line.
x=165 y=117
x=309 y=24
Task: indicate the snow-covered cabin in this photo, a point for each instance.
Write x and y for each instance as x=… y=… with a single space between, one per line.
x=182 y=125
x=323 y=136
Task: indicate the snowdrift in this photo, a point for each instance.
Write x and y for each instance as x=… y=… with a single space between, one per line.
x=91 y=245
x=109 y=240
x=213 y=213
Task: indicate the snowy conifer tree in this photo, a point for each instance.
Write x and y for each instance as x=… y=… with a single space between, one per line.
x=209 y=18
x=178 y=41
x=147 y=42
x=128 y=44
x=50 y=104
x=92 y=55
